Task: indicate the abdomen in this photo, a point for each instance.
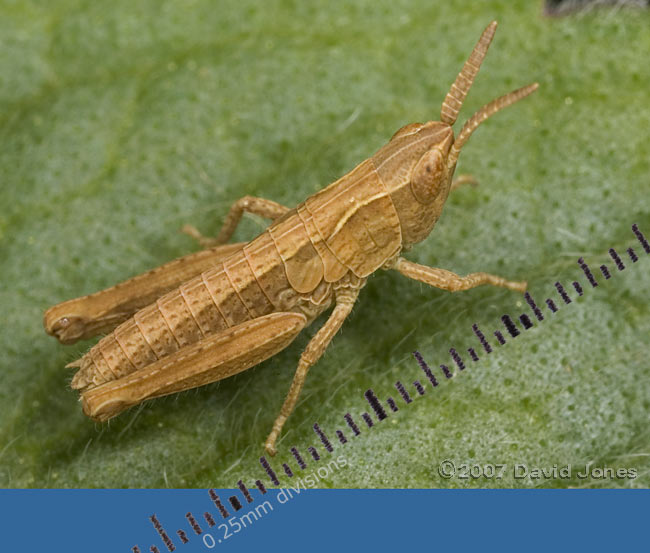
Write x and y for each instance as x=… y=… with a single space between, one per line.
x=335 y=238
x=278 y=271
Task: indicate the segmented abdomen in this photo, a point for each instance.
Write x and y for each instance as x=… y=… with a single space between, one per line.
x=270 y=273
x=349 y=228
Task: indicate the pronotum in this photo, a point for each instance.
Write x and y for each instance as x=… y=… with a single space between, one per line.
x=212 y=314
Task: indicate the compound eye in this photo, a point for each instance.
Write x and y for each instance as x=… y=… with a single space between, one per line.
x=411 y=128
x=427 y=176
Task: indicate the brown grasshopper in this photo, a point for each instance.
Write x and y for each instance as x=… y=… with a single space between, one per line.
x=212 y=314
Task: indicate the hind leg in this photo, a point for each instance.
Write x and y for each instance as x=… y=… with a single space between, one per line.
x=214 y=358
x=101 y=312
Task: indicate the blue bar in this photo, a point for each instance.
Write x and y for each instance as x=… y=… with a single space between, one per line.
x=319 y=520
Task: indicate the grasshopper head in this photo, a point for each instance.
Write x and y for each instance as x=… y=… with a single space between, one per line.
x=418 y=163
x=419 y=152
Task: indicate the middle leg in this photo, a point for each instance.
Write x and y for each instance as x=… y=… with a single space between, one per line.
x=345 y=299
x=251 y=204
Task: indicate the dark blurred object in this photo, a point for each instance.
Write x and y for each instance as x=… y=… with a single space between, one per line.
x=563 y=7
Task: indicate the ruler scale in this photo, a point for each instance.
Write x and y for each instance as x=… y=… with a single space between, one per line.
x=371 y=397
x=195 y=525
x=377 y=407
x=341 y=437
x=525 y=321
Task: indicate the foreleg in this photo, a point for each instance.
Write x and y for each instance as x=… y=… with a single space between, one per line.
x=446 y=280
x=460 y=180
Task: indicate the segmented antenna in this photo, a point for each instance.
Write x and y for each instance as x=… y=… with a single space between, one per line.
x=482 y=114
x=456 y=95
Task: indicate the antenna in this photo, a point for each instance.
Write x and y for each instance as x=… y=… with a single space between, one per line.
x=482 y=114
x=456 y=95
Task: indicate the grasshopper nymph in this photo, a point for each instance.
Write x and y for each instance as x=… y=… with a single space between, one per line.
x=217 y=312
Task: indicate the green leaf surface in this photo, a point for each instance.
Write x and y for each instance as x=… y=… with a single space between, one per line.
x=121 y=122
